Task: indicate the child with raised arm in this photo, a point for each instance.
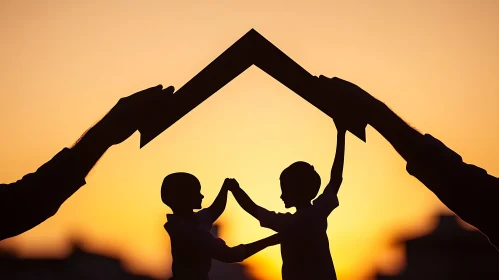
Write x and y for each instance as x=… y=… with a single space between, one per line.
x=192 y=244
x=304 y=243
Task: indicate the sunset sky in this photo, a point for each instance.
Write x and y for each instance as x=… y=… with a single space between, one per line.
x=64 y=64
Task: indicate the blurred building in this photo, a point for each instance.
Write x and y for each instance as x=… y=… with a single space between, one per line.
x=79 y=265
x=449 y=252
x=84 y=265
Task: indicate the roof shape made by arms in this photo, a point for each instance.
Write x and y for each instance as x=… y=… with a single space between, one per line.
x=251 y=49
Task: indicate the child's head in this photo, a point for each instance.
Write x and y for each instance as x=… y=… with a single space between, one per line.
x=300 y=184
x=181 y=191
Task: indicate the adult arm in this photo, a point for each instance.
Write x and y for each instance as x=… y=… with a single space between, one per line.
x=465 y=189
x=38 y=196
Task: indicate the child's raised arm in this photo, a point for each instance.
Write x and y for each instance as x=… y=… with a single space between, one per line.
x=243 y=199
x=337 y=170
x=328 y=200
x=218 y=206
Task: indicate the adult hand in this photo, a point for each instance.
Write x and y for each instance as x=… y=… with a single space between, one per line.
x=128 y=114
x=344 y=98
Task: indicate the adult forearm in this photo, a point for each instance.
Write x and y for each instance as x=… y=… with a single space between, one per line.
x=38 y=196
x=405 y=139
x=87 y=151
x=471 y=194
x=41 y=194
x=465 y=189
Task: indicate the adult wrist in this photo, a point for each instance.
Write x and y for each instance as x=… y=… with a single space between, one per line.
x=93 y=140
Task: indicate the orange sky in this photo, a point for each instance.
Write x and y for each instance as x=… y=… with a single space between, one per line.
x=64 y=64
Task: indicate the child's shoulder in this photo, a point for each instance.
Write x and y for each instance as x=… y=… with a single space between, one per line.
x=204 y=219
x=178 y=226
x=310 y=215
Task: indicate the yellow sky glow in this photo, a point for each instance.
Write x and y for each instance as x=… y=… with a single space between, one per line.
x=64 y=64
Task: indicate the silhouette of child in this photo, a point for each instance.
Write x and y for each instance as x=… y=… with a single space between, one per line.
x=304 y=243
x=192 y=244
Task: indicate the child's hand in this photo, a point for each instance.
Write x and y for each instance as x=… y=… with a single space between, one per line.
x=230 y=184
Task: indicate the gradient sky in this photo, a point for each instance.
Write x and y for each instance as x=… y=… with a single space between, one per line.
x=64 y=64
